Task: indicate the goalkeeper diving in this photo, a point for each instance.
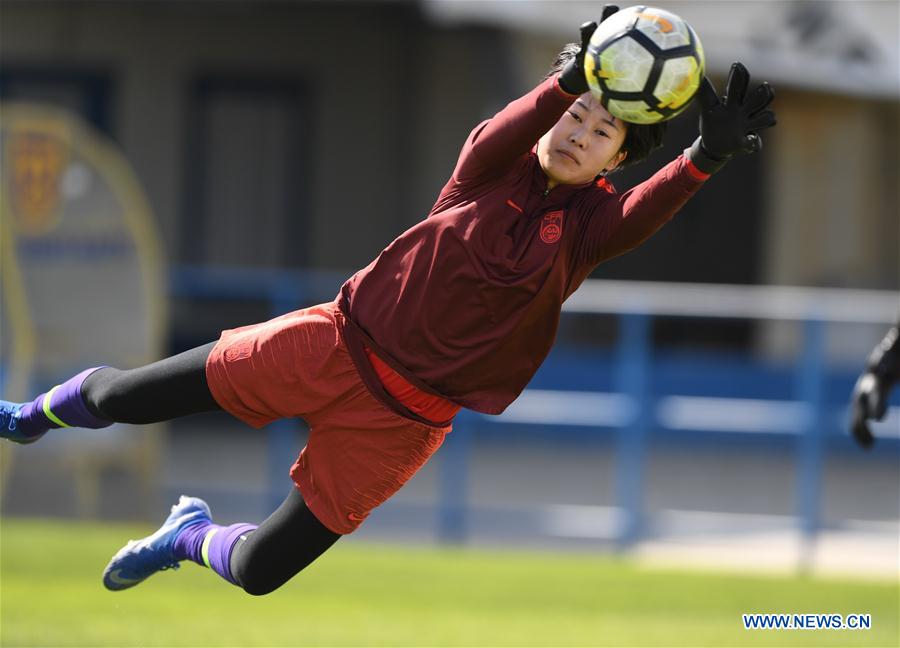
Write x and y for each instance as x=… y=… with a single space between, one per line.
x=459 y=311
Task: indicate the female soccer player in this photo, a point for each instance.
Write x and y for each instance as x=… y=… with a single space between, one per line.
x=458 y=311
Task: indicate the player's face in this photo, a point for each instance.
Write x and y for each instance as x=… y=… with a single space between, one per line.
x=584 y=143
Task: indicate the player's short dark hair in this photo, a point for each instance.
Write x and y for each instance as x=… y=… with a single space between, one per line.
x=640 y=139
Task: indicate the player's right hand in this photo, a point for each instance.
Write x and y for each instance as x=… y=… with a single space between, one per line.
x=572 y=78
x=869 y=402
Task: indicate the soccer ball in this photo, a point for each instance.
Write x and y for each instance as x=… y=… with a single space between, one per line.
x=644 y=64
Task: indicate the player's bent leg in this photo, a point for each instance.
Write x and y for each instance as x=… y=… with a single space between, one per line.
x=139 y=559
x=285 y=544
x=257 y=559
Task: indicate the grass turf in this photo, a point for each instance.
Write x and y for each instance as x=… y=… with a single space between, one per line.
x=362 y=594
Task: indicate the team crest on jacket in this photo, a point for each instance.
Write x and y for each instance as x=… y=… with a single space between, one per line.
x=551 y=226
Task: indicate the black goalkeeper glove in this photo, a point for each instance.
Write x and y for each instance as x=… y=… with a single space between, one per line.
x=572 y=78
x=871 y=391
x=728 y=126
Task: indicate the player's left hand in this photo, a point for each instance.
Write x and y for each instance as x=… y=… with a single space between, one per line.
x=572 y=78
x=869 y=402
x=870 y=395
x=730 y=125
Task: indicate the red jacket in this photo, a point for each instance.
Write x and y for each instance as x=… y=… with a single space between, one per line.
x=466 y=303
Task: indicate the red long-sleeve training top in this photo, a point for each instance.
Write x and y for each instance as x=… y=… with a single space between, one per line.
x=466 y=303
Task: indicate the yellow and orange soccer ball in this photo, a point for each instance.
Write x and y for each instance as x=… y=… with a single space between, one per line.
x=644 y=64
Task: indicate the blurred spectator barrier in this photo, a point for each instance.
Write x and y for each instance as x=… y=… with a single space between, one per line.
x=82 y=281
x=649 y=394
x=637 y=390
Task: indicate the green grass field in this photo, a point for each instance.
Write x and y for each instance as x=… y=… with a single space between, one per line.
x=362 y=594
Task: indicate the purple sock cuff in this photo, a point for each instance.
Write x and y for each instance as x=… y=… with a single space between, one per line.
x=189 y=542
x=67 y=403
x=222 y=544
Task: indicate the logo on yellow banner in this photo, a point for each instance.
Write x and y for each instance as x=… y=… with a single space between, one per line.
x=37 y=154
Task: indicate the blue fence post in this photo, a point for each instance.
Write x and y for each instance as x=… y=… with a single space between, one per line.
x=811 y=391
x=454 y=480
x=633 y=359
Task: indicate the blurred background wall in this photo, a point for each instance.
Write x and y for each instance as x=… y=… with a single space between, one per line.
x=321 y=115
x=307 y=135
x=292 y=123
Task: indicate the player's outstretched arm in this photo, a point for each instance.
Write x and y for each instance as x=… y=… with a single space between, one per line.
x=730 y=125
x=871 y=391
x=496 y=144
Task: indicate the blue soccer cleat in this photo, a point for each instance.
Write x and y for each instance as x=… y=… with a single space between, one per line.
x=9 y=424
x=140 y=559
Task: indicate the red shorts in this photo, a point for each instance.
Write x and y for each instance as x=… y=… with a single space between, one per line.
x=359 y=451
